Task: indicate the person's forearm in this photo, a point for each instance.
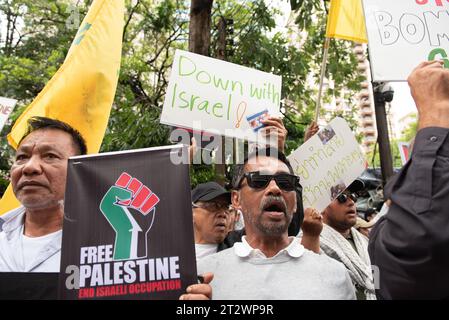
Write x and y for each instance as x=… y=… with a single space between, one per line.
x=311 y=243
x=413 y=236
x=438 y=118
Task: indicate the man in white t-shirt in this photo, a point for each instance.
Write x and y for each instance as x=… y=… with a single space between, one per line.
x=268 y=264
x=31 y=237
x=211 y=218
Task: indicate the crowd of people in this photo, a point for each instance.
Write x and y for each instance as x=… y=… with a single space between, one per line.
x=280 y=251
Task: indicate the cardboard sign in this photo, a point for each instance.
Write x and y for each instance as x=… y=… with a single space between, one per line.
x=6 y=107
x=128 y=231
x=404 y=33
x=219 y=97
x=404 y=151
x=327 y=164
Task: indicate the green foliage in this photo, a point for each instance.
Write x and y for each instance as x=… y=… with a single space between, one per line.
x=153 y=31
x=409 y=132
x=373 y=157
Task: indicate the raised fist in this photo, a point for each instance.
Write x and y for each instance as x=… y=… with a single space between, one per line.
x=128 y=193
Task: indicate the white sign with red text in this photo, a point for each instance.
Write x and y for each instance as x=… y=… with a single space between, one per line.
x=404 y=33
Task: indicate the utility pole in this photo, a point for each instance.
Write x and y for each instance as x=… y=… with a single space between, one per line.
x=220 y=168
x=383 y=93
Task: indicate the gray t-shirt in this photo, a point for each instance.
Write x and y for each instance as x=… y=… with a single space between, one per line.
x=293 y=274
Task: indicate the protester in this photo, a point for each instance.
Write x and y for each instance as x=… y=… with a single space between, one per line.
x=341 y=241
x=268 y=264
x=31 y=236
x=409 y=245
x=211 y=217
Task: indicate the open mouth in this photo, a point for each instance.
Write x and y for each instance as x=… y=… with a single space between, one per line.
x=275 y=208
x=220 y=225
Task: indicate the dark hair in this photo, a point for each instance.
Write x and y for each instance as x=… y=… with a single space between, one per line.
x=239 y=169
x=38 y=123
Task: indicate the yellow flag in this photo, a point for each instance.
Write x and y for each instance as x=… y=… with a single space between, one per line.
x=346 y=21
x=8 y=201
x=82 y=91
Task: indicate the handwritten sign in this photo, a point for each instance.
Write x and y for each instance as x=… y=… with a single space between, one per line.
x=219 y=97
x=402 y=34
x=327 y=164
x=6 y=107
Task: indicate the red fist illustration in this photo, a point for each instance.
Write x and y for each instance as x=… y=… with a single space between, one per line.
x=143 y=199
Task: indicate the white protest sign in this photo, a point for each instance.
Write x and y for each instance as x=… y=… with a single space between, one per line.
x=6 y=107
x=327 y=164
x=219 y=97
x=404 y=33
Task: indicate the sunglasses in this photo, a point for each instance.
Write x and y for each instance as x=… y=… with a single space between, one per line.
x=212 y=206
x=285 y=181
x=342 y=198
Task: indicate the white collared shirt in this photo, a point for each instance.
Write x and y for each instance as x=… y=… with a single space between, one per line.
x=294 y=249
x=12 y=257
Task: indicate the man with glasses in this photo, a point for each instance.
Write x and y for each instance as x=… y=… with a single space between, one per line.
x=341 y=241
x=268 y=264
x=211 y=218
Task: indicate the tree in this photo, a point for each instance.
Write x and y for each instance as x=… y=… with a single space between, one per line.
x=409 y=133
x=37 y=38
x=200 y=26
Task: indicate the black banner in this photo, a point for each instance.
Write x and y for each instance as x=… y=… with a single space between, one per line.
x=128 y=230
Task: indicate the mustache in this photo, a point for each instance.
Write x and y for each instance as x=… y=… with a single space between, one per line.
x=274 y=200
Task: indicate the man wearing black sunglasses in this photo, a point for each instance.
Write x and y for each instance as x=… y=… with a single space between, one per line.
x=267 y=263
x=341 y=241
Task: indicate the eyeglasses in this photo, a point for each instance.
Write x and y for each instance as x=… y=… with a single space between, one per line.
x=212 y=206
x=342 y=198
x=285 y=181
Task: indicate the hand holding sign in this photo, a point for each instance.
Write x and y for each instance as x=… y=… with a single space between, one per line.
x=311 y=130
x=274 y=127
x=202 y=291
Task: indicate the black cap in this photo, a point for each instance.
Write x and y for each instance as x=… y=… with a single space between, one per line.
x=209 y=191
x=356 y=186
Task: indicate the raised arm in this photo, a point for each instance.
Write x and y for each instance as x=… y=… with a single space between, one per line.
x=409 y=247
